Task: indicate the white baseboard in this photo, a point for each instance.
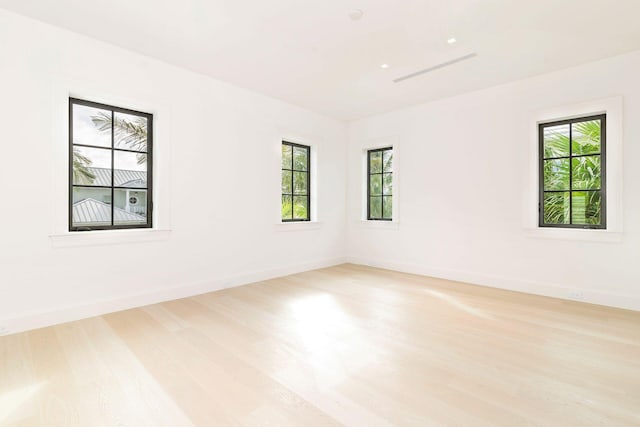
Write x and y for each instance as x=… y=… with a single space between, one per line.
x=629 y=302
x=35 y=320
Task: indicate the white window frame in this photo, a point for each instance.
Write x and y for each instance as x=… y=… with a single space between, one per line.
x=314 y=222
x=365 y=146
x=105 y=93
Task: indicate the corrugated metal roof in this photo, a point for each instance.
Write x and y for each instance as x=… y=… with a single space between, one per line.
x=122 y=178
x=93 y=212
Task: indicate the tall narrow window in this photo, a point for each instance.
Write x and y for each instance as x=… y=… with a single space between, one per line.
x=573 y=173
x=296 y=183
x=380 y=184
x=110 y=167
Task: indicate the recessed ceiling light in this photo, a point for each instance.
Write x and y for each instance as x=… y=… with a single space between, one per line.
x=356 y=14
x=384 y=66
x=452 y=40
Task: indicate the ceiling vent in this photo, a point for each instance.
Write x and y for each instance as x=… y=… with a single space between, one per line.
x=435 y=67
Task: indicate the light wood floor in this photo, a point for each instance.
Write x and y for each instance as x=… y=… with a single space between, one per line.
x=346 y=345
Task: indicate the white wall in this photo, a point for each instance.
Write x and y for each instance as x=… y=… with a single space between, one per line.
x=462 y=167
x=464 y=170
x=217 y=182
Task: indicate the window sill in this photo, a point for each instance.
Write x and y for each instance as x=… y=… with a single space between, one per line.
x=582 y=235
x=384 y=225
x=107 y=237
x=298 y=226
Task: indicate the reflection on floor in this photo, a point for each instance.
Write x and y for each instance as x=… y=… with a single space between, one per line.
x=346 y=345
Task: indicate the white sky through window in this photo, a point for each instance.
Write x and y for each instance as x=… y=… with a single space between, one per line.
x=86 y=132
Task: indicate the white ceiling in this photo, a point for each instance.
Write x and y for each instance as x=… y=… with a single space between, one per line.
x=310 y=53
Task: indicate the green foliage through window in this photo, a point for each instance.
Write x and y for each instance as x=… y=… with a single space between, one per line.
x=573 y=173
x=380 y=184
x=296 y=165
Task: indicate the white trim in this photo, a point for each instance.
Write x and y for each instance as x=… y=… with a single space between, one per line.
x=34 y=320
x=613 y=107
x=554 y=290
x=597 y=236
x=108 y=237
x=298 y=226
x=103 y=92
x=365 y=146
x=380 y=225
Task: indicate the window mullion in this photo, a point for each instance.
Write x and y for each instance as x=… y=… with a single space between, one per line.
x=308 y=183
x=113 y=196
x=293 y=204
x=570 y=173
x=368 y=184
x=382 y=185
x=292 y=181
x=71 y=165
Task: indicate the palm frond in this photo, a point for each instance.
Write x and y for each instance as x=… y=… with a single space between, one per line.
x=130 y=133
x=575 y=177
x=81 y=173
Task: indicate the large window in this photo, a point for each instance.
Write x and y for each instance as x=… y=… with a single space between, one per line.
x=110 y=167
x=380 y=184
x=296 y=185
x=573 y=172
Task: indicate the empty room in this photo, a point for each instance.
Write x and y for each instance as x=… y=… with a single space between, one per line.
x=319 y=213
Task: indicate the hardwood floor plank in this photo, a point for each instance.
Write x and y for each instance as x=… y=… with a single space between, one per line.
x=346 y=345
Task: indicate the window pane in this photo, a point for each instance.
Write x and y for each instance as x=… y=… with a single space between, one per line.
x=287 y=157
x=387 y=184
x=91 y=207
x=375 y=185
x=300 y=208
x=586 y=207
x=91 y=166
x=130 y=207
x=387 y=207
x=91 y=126
x=130 y=132
x=375 y=162
x=300 y=182
x=556 y=141
x=299 y=159
x=387 y=160
x=287 y=207
x=556 y=174
x=556 y=208
x=130 y=169
x=286 y=182
x=586 y=137
x=375 y=207
x=586 y=173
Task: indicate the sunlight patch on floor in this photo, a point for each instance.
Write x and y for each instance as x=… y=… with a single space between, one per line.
x=453 y=301
x=318 y=320
x=336 y=346
x=13 y=400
